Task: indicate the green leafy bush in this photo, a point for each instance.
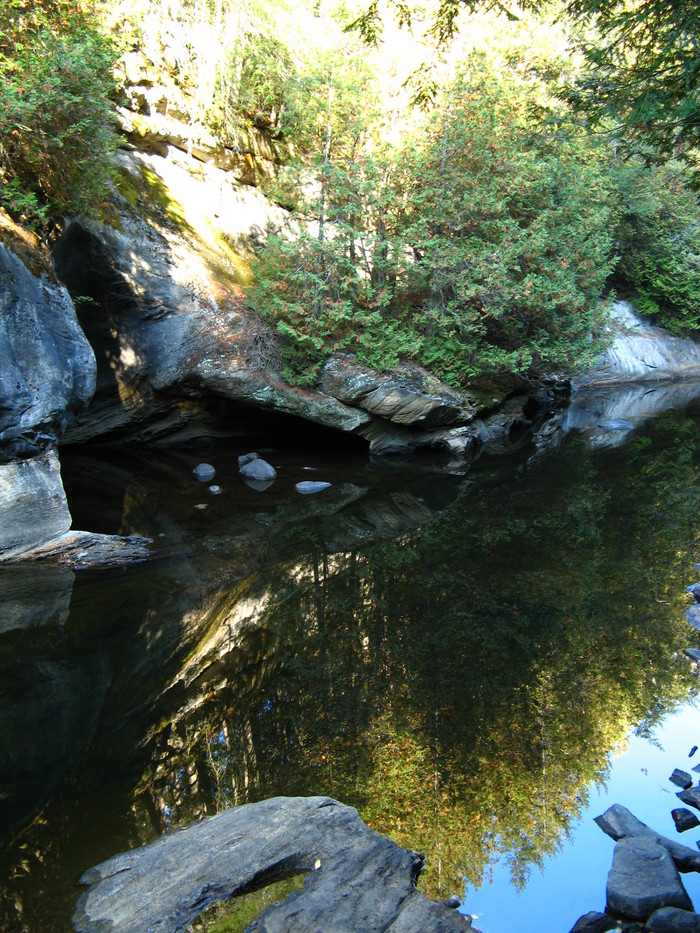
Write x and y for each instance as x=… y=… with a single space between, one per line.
x=658 y=235
x=56 y=124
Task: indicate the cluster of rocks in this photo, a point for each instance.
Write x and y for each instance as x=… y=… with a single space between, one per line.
x=258 y=474
x=644 y=892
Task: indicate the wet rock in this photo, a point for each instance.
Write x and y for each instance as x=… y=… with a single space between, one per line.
x=681 y=779
x=684 y=819
x=642 y=879
x=692 y=614
x=308 y=487
x=215 y=490
x=673 y=920
x=258 y=470
x=83 y=550
x=362 y=881
x=33 y=506
x=691 y=797
x=618 y=823
x=616 y=424
x=204 y=472
x=247 y=458
x=594 y=922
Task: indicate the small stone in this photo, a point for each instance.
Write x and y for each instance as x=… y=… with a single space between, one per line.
x=308 y=487
x=215 y=490
x=259 y=470
x=452 y=902
x=201 y=506
x=684 y=819
x=694 y=748
x=681 y=779
x=247 y=458
x=673 y=920
x=692 y=614
x=593 y=922
x=691 y=797
x=204 y=472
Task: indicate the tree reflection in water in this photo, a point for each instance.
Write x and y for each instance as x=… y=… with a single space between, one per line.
x=462 y=683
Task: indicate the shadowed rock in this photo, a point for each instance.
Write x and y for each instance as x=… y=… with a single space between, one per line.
x=362 y=881
x=642 y=879
x=684 y=819
x=618 y=823
x=673 y=920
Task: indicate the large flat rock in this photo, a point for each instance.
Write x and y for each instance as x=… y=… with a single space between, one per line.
x=643 y=879
x=359 y=880
x=618 y=823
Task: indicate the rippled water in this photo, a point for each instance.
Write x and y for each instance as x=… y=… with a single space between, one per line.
x=458 y=653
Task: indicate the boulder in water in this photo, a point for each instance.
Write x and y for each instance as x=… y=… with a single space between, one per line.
x=308 y=487
x=204 y=472
x=259 y=470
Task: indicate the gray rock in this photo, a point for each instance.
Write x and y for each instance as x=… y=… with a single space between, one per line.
x=681 y=779
x=215 y=490
x=308 y=487
x=204 y=472
x=691 y=797
x=33 y=507
x=642 y=879
x=693 y=654
x=47 y=367
x=694 y=590
x=616 y=424
x=452 y=902
x=246 y=458
x=673 y=920
x=618 y=823
x=258 y=470
x=684 y=819
x=692 y=614
x=594 y=922
x=362 y=882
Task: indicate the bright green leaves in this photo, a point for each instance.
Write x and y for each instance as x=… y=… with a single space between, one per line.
x=55 y=112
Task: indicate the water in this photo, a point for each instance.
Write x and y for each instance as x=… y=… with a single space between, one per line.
x=460 y=654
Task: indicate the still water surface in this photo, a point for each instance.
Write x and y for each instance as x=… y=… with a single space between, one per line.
x=463 y=654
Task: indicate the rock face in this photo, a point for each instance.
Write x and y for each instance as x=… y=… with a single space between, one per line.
x=33 y=507
x=47 y=367
x=359 y=881
x=640 y=352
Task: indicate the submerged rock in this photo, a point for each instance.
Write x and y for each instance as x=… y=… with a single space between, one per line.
x=308 y=487
x=684 y=819
x=681 y=779
x=258 y=470
x=642 y=879
x=204 y=472
x=359 y=881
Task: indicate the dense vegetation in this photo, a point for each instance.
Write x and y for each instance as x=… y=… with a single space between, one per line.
x=461 y=200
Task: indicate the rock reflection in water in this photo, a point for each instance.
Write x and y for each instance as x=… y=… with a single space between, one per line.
x=454 y=656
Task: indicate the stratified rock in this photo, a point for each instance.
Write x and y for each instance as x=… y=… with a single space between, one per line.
x=259 y=470
x=47 y=367
x=684 y=819
x=642 y=879
x=618 y=823
x=594 y=922
x=204 y=472
x=673 y=920
x=33 y=507
x=309 y=487
x=692 y=614
x=681 y=779
x=410 y=396
x=84 y=550
x=363 y=882
x=691 y=797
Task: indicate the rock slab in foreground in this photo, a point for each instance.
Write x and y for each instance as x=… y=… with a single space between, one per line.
x=643 y=879
x=365 y=881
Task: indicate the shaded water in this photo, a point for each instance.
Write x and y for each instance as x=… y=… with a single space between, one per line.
x=455 y=653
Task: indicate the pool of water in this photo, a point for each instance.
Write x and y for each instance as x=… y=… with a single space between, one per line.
x=461 y=653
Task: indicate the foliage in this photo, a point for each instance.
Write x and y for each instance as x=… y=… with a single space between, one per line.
x=658 y=230
x=55 y=113
x=481 y=246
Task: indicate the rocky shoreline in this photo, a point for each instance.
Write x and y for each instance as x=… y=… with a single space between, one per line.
x=644 y=892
